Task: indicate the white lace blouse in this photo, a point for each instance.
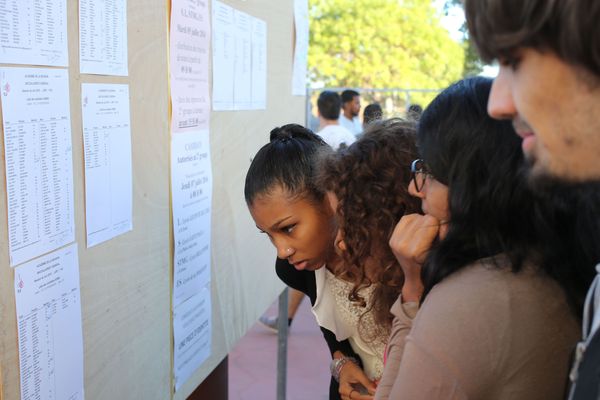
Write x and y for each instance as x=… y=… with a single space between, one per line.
x=341 y=316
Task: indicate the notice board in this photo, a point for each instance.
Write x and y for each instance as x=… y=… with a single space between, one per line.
x=126 y=282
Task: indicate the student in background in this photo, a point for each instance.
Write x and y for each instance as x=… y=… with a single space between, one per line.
x=372 y=112
x=351 y=108
x=414 y=112
x=331 y=131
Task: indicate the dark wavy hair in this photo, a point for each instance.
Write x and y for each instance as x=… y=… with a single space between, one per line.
x=492 y=208
x=568 y=28
x=287 y=161
x=370 y=179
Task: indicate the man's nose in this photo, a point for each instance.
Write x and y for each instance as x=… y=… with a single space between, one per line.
x=500 y=102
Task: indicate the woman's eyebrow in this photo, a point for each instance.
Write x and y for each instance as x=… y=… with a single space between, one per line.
x=276 y=224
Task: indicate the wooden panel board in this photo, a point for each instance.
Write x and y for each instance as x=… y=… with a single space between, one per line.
x=244 y=282
x=126 y=282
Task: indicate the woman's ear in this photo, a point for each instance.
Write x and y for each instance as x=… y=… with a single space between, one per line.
x=339 y=242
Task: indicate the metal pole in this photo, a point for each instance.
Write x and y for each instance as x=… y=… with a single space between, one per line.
x=282 y=336
x=308 y=106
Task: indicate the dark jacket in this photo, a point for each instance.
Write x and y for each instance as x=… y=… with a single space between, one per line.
x=305 y=282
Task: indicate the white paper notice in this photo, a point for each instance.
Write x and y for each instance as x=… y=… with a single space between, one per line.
x=48 y=307
x=39 y=164
x=239 y=60
x=191 y=180
x=192 y=329
x=301 y=48
x=189 y=49
x=103 y=37
x=33 y=32
x=107 y=151
x=242 y=81
x=223 y=31
x=259 y=64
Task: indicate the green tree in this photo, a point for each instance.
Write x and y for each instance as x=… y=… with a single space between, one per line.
x=473 y=64
x=381 y=44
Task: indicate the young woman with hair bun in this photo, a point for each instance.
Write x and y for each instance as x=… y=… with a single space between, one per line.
x=351 y=277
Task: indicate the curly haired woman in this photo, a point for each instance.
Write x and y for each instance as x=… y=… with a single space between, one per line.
x=366 y=184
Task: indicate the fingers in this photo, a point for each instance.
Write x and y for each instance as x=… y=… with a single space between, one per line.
x=412 y=238
x=346 y=390
x=367 y=384
x=410 y=242
x=354 y=394
x=353 y=381
x=443 y=230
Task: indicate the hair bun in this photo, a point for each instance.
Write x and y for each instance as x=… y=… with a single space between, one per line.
x=280 y=134
x=292 y=131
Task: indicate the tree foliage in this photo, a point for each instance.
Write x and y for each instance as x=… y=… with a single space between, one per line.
x=473 y=64
x=381 y=44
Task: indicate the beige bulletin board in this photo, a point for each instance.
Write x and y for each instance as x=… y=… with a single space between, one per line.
x=126 y=282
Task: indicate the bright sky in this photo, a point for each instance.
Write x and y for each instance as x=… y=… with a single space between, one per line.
x=453 y=22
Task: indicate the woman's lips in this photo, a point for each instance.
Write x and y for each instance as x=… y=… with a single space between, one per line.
x=300 y=265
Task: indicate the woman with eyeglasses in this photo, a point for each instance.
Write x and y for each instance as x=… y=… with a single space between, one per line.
x=485 y=263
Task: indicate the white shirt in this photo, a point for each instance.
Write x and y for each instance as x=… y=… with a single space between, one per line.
x=353 y=125
x=336 y=313
x=335 y=135
x=590 y=324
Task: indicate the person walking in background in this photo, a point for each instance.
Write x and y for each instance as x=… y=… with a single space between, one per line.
x=331 y=131
x=351 y=109
x=295 y=298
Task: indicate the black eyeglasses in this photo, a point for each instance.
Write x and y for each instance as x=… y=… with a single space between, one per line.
x=420 y=173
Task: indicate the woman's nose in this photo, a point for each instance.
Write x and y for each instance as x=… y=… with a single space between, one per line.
x=284 y=250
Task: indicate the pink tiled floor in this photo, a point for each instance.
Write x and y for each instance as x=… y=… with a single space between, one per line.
x=253 y=361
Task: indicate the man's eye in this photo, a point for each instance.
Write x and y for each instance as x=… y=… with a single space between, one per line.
x=511 y=62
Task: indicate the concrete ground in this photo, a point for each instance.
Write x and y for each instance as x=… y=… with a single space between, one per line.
x=253 y=361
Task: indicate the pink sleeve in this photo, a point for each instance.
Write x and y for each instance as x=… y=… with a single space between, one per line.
x=403 y=316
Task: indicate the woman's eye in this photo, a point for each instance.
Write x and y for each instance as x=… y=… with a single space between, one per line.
x=266 y=233
x=288 y=229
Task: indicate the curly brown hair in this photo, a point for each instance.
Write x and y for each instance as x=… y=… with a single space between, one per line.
x=370 y=179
